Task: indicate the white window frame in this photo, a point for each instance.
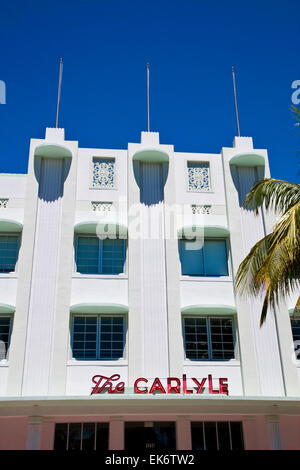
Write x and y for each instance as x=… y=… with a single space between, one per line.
x=209 y=341
x=18 y=235
x=98 y=315
x=99 y=275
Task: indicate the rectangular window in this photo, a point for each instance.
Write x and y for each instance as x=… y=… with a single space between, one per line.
x=203 y=258
x=158 y=435
x=99 y=337
x=295 y=324
x=5 y=333
x=81 y=436
x=95 y=256
x=198 y=176
x=104 y=173
x=208 y=338
x=221 y=435
x=9 y=247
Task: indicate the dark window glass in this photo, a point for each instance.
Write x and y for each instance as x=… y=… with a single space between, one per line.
x=81 y=436
x=9 y=246
x=74 y=441
x=197 y=436
x=223 y=435
x=95 y=256
x=236 y=435
x=61 y=436
x=5 y=332
x=208 y=338
x=210 y=431
x=295 y=323
x=148 y=436
x=203 y=257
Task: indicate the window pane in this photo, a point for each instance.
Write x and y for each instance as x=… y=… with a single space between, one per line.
x=102 y=436
x=195 y=338
x=88 y=436
x=222 y=341
x=84 y=340
x=191 y=257
x=113 y=256
x=236 y=435
x=8 y=252
x=197 y=436
x=210 y=435
x=5 y=323
x=112 y=331
x=61 y=435
x=296 y=336
x=215 y=258
x=87 y=255
x=223 y=435
x=74 y=436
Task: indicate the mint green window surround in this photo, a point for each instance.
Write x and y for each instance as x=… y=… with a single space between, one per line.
x=96 y=256
x=203 y=258
x=9 y=249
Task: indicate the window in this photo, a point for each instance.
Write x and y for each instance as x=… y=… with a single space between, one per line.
x=150 y=435
x=203 y=258
x=198 y=176
x=98 y=337
x=295 y=324
x=9 y=247
x=81 y=436
x=208 y=338
x=221 y=435
x=103 y=173
x=95 y=256
x=5 y=332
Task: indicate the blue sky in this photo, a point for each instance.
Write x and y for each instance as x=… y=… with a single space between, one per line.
x=191 y=46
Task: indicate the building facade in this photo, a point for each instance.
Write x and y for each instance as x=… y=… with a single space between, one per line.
x=119 y=324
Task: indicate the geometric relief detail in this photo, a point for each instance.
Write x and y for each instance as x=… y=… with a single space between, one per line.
x=101 y=206
x=198 y=176
x=3 y=203
x=103 y=173
x=198 y=209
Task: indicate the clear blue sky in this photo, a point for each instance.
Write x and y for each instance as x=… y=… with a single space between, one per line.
x=191 y=46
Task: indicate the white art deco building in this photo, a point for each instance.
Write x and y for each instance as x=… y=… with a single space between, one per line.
x=116 y=275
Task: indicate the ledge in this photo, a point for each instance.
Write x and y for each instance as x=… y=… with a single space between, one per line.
x=209 y=309
x=52 y=151
x=7 y=308
x=203 y=230
x=247 y=159
x=10 y=225
x=99 y=308
x=151 y=155
x=94 y=227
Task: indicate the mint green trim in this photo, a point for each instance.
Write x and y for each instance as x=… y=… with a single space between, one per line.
x=98 y=228
x=7 y=225
x=6 y=308
x=205 y=231
x=99 y=308
x=209 y=309
x=247 y=159
x=52 y=151
x=151 y=156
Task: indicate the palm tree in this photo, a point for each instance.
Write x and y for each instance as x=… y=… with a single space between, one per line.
x=273 y=265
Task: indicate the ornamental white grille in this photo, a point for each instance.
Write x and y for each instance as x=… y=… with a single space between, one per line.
x=198 y=176
x=103 y=173
x=3 y=203
x=100 y=206
x=203 y=210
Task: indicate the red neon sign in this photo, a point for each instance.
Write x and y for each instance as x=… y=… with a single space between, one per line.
x=174 y=385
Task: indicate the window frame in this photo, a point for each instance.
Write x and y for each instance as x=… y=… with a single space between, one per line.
x=10 y=317
x=98 y=316
x=209 y=340
x=101 y=275
x=103 y=157
x=210 y=277
x=18 y=235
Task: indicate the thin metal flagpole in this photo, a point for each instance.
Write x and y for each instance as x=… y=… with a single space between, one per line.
x=148 y=96
x=235 y=100
x=59 y=88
